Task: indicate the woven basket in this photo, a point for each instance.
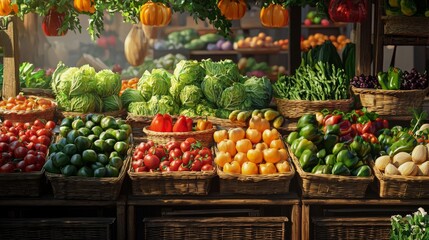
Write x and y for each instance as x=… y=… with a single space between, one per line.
x=205 y=136
x=227 y=228
x=406 y=26
x=28 y=116
x=226 y=123
x=277 y=183
x=88 y=188
x=396 y=186
x=390 y=102
x=329 y=228
x=330 y=186
x=297 y=108
x=170 y=183
x=21 y=184
x=117 y=114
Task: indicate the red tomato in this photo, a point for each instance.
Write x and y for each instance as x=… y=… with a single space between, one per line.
x=172 y=145
x=30 y=168
x=20 y=152
x=175 y=164
x=13 y=139
x=31 y=151
x=38 y=123
x=20 y=97
x=30 y=159
x=29 y=145
x=33 y=139
x=175 y=153
x=41 y=147
x=21 y=165
x=50 y=125
x=187 y=157
x=7 y=123
x=40 y=159
x=151 y=161
x=150 y=143
x=15 y=144
x=19 y=125
x=43 y=131
x=4 y=147
x=142 y=169
x=6 y=156
x=38 y=166
x=45 y=140
x=137 y=164
x=205 y=152
x=183 y=168
x=27 y=125
x=138 y=155
x=207 y=167
x=185 y=146
x=7 y=168
x=143 y=147
x=164 y=166
x=24 y=138
x=4 y=138
x=190 y=140
x=205 y=159
x=196 y=165
x=13 y=130
x=41 y=154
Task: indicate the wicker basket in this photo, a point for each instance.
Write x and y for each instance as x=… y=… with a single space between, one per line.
x=88 y=188
x=29 y=116
x=205 y=136
x=171 y=183
x=297 y=108
x=277 y=183
x=227 y=228
x=406 y=26
x=390 y=102
x=117 y=114
x=400 y=186
x=352 y=228
x=226 y=123
x=21 y=184
x=57 y=228
x=330 y=186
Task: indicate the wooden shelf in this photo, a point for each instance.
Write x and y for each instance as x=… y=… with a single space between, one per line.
x=332 y=25
x=213 y=52
x=405 y=41
x=366 y=201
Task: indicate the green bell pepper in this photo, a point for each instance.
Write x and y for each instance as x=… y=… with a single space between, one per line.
x=360 y=147
x=310 y=132
x=308 y=160
x=348 y=158
x=307 y=119
x=394 y=78
x=303 y=145
x=340 y=169
x=408 y=7
x=330 y=160
x=295 y=143
x=329 y=142
x=362 y=171
x=360 y=163
x=339 y=147
x=375 y=149
x=291 y=137
x=322 y=169
x=382 y=80
x=321 y=154
x=403 y=145
x=333 y=129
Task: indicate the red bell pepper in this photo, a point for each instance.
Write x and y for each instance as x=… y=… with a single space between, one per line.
x=333 y=119
x=369 y=127
x=359 y=128
x=161 y=123
x=345 y=127
x=182 y=124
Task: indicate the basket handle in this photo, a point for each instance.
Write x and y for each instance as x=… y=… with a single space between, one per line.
x=392 y=60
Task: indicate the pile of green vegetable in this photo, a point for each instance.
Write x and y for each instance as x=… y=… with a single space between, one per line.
x=30 y=77
x=167 y=62
x=321 y=76
x=92 y=147
x=84 y=90
x=188 y=39
x=407 y=8
x=195 y=88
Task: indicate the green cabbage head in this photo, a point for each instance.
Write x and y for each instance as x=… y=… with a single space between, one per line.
x=131 y=95
x=84 y=103
x=112 y=103
x=83 y=81
x=155 y=83
x=259 y=91
x=108 y=83
x=233 y=97
x=213 y=86
x=189 y=72
x=191 y=95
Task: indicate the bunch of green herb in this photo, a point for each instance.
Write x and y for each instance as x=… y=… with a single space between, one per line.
x=410 y=227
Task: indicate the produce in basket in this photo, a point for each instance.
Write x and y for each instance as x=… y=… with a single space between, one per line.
x=256 y=150
x=24 y=145
x=188 y=155
x=92 y=147
x=164 y=123
x=23 y=103
x=269 y=114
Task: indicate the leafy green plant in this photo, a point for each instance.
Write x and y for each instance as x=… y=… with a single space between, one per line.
x=410 y=227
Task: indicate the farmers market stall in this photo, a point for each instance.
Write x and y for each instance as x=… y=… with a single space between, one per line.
x=189 y=147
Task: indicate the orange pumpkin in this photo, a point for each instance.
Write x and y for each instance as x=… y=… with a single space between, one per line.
x=84 y=6
x=232 y=9
x=6 y=7
x=274 y=15
x=155 y=14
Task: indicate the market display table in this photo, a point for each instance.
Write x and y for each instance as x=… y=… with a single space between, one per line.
x=81 y=218
x=255 y=212
x=367 y=218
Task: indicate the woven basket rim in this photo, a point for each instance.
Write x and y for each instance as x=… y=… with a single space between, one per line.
x=387 y=92
x=171 y=175
x=386 y=18
x=257 y=177
x=315 y=177
x=383 y=177
x=25 y=112
x=315 y=101
x=173 y=134
x=118 y=112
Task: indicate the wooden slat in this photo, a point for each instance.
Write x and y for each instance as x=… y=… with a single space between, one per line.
x=364 y=45
x=377 y=201
x=294 y=39
x=9 y=42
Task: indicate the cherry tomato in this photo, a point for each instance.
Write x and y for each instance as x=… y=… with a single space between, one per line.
x=21 y=165
x=7 y=123
x=13 y=139
x=175 y=153
x=27 y=125
x=183 y=168
x=205 y=152
x=4 y=147
x=190 y=140
x=44 y=132
x=137 y=164
x=142 y=169
x=185 y=146
x=45 y=140
x=164 y=166
x=20 y=152
x=50 y=125
x=175 y=164
x=4 y=138
x=30 y=168
x=138 y=155
x=40 y=159
x=187 y=157
x=7 y=168
x=151 y=161
x=173 y=145
x=207 y=167
x=14 y=131
x=38 y=123
x=15 y=144
x=196 y=165
x=30 y=159
x=20 y=97
x=33 y=139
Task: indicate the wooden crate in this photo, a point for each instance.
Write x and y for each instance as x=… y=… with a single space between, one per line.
x=56 y=228
x=231 y=228
x=329 y=228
